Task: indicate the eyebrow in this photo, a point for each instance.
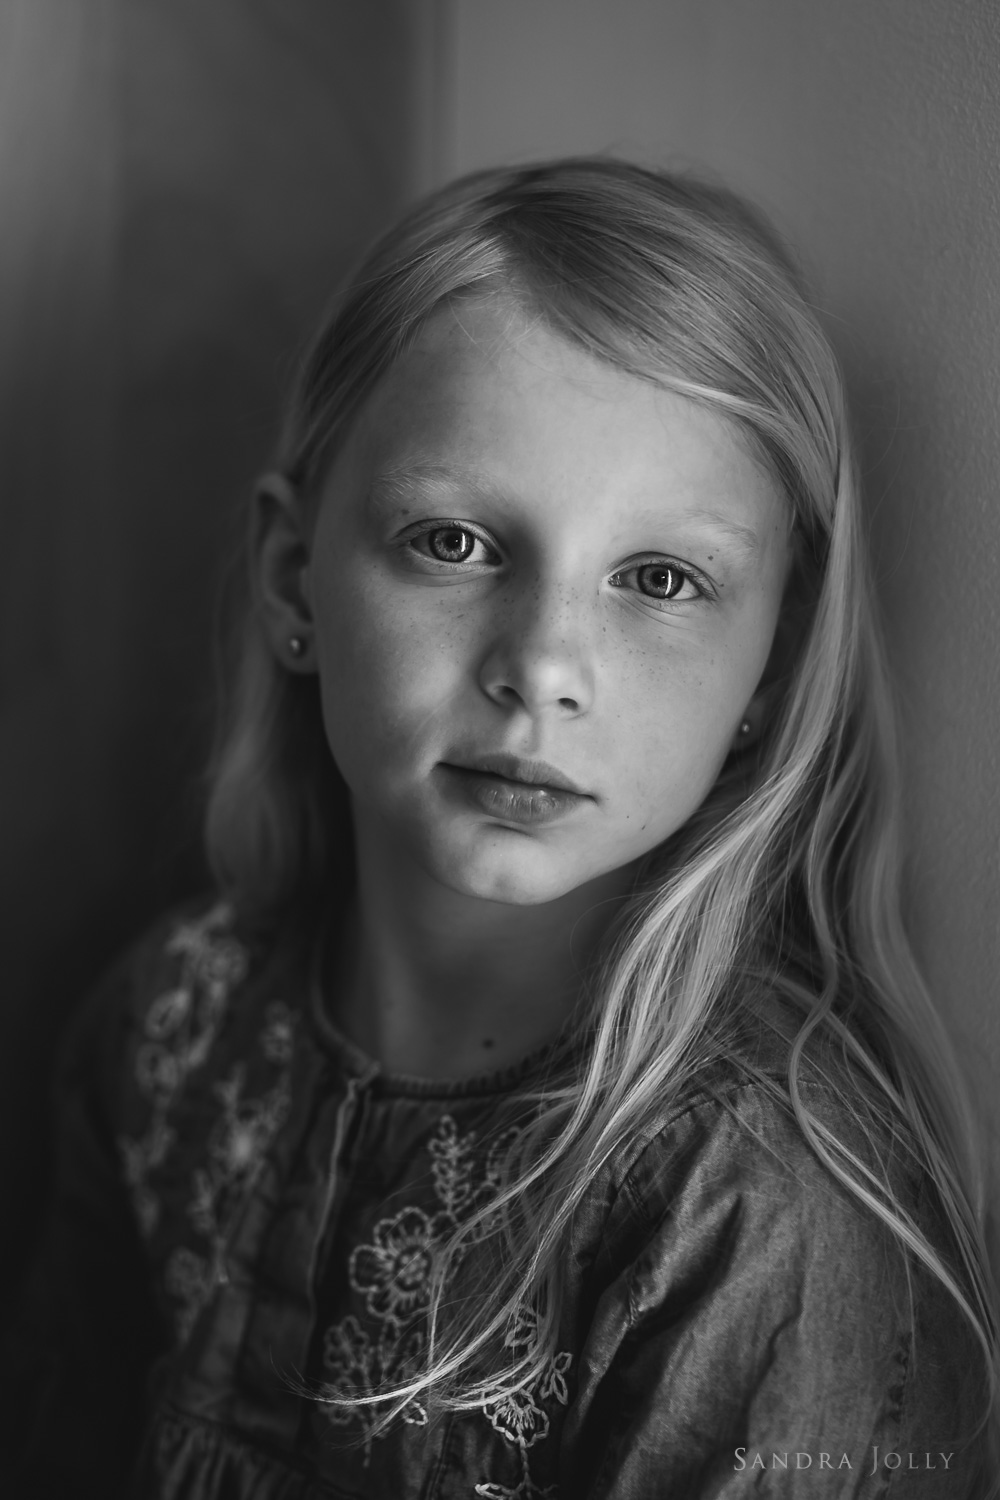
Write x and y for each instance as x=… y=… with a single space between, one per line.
x=745 y=538
x=391 y=486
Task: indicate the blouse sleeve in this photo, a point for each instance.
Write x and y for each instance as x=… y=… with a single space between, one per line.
x=84 y=1331
x=758 y=1340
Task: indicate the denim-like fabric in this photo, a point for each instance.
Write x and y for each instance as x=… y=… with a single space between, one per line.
x=247 y=1209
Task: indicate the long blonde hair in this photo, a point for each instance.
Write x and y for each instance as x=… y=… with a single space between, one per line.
x=789 y=875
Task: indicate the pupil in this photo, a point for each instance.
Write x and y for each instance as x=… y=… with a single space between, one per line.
x=659 y=581
x=451 y=543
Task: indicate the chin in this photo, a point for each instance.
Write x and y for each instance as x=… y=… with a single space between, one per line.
x=521 y=874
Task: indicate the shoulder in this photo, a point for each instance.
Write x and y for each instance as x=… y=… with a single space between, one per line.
x=769 y=1301
x=176 y=998
x=204 y=1088
x=744 y=1161
x=730 y=1204
x=740 y=1121
x=748 y=1141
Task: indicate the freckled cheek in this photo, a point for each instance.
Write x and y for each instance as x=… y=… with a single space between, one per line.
x=669 y=726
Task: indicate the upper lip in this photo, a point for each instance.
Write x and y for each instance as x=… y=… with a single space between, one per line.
x=514 y=768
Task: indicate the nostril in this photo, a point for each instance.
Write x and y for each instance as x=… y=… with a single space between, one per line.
x=569 y=703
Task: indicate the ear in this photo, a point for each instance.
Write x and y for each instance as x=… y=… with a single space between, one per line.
x=756 y=715
x=279 y=563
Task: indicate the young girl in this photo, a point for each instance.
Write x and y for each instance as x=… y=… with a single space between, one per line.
x=548 y=1103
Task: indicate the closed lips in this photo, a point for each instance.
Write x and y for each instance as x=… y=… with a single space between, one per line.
x=528 y=773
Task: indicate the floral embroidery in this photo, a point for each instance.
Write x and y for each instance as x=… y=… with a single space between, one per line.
x=518 y=1415
x=454 y=1162
x=187 y=1278
x=278 y=1036
x=179 y=1030
x=357 y=1363
x=236 y=1145
x=139 y=1158
x=393 y=1274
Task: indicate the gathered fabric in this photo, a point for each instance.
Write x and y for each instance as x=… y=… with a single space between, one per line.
x=246 y=1222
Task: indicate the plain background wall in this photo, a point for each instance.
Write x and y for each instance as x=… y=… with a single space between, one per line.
x=181 y=186
x=870 y=131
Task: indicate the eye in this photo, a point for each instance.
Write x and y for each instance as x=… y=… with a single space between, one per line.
x=659 y=580
x=663 y=581
x=451 y=542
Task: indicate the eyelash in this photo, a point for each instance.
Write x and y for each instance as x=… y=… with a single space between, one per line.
x=431 y=527
x=701 y=585
x=703 y=589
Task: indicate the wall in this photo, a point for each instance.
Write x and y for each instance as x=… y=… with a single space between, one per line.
x=871 y=132
x=181 y=186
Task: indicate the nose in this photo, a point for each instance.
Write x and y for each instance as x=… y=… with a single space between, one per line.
x=539 y=659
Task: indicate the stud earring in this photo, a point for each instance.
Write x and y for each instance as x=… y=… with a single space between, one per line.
x=745 y=728
x=296 y=645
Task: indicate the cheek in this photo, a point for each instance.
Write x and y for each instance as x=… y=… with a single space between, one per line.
x=384 y=668
x=675 y=713
x=664 y=689
x=673 y=732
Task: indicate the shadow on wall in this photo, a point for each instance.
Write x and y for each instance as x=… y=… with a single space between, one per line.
x=182 y=186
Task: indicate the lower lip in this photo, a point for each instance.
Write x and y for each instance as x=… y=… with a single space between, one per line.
x=513 y=801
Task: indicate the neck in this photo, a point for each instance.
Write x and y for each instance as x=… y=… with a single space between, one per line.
x=442 y=985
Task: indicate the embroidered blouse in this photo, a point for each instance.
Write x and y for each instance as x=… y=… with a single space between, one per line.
x=246 y=1217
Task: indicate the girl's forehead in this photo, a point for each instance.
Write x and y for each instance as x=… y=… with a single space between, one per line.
x=480 y=360
x=490 y=400
x=493 y=336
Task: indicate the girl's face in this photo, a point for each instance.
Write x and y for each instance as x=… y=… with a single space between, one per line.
x=543 y=593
